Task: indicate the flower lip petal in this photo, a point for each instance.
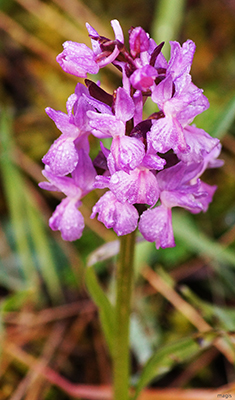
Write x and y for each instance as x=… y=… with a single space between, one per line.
x=139 y=186
x=156 y=226
x=122 y=218
x=62 y=156
x=105 y=125
x=127 y=152
x=67 y=219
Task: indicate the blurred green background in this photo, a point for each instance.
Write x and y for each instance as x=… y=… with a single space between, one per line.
x=45 y=308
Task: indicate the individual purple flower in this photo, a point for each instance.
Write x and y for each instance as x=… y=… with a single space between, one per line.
x=62 y=156
x=127 y=152
x=135 y=186
x=194 y=198
x=106 y=124
x=142 y=70
x=66 y=217
x=200 y=145
x=179 y=109
x=156 y=226
x=77 y=59
x=121 y=217
x=179 y=188
x=68 y=220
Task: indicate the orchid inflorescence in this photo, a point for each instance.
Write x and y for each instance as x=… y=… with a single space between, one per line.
x=153 y=163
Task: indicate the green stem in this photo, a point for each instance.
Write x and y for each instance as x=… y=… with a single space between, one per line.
x=124 y=283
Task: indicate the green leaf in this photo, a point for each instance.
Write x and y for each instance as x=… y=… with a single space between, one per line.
x=171 y=354
x=106 y=310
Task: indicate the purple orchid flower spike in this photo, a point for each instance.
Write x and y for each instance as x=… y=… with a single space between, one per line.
x=154 y=163
x=149 y=165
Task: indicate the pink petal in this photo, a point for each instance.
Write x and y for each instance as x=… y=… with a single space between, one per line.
x=156 y=226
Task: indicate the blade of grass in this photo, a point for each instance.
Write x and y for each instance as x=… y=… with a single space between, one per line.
x=167 y=21
x=10 y=282
x=106 y=310
x=46 y=262
x=225 y=120
x=13 y=188
x=31 y=242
